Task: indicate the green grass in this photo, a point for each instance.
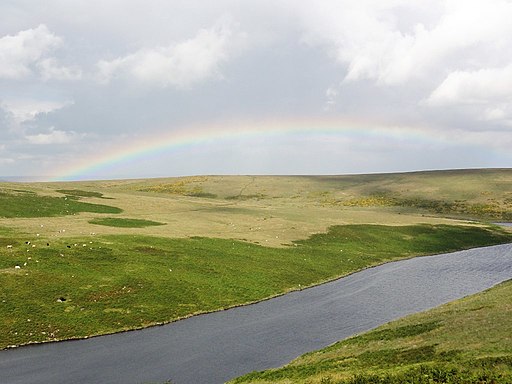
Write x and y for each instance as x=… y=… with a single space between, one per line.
x=185 y=186
x=124 y=222
x=28 y=204
x=464 y=342
x=76 y=287
x=490 y=210
x=79 y=193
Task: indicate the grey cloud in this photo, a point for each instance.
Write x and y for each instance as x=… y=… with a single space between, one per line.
x=170 y=65
x=180 y=64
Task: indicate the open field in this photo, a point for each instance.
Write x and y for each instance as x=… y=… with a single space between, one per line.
x=466 y=341
x=87 y=258
x=76 y=287
x=273 y=210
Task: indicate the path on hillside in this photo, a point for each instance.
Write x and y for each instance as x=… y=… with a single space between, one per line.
x=216 y=347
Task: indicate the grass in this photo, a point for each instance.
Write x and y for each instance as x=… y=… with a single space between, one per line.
x=269 y=210
x=80 y=193
x=186 y=187
x=124 y=222
x=227 y=240
x=28 y=204
x=491 y=209
x=463 y=342
x=76 y=287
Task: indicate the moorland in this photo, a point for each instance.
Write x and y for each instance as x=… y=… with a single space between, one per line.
x=86 y=258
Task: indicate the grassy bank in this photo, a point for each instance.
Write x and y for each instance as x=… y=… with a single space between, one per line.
x=464 y=342
x=27 y=204
x=59 y=288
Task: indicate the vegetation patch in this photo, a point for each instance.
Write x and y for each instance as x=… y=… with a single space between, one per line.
x=466 y=341
x=232 y=210
x=490 y=209
x=397 y=333
x=76 y=287
x=124 y=222
x=185 y=187
x=205 y=195
x=20 y=204
x=256 y=196
x=79 y=193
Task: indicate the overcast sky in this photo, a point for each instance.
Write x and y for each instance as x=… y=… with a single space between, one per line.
x=402 y=85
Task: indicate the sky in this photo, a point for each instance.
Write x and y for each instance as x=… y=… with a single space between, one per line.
x=126 y=88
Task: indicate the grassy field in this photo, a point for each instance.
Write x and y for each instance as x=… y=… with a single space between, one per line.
x=75 y=287
x=16 y=203
x=124 y=222
x=464 y=342
x=86 y=258
x=272 y=210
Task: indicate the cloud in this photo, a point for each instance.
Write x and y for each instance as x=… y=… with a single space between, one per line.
x=407 y=63
x=51 y=70
x=486 y=91
x=6 y=160
x=392 y=42
x=481 y=86
x=54 y=136
x=178 y=65
x=23 y=110
x=20 y=52
x=28 y=53
x=330 y=94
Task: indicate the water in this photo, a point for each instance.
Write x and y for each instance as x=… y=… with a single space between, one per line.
x=216 y=347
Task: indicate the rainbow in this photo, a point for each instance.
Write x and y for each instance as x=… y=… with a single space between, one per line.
x=155 y=144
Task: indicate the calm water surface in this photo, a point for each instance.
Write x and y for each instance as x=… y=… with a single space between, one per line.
x=216 y=347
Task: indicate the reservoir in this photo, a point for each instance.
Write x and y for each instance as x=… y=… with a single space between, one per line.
x=216 y=347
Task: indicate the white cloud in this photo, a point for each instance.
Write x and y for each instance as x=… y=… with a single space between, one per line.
x=6 y=160
x=487 y=91
x=23 y=110
x=482 y=86
x=51 y=70
x=374 y=40
x=20 y=52
x=54 y=136
x=495 y=113
x=331 y=94
x=178 y=65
